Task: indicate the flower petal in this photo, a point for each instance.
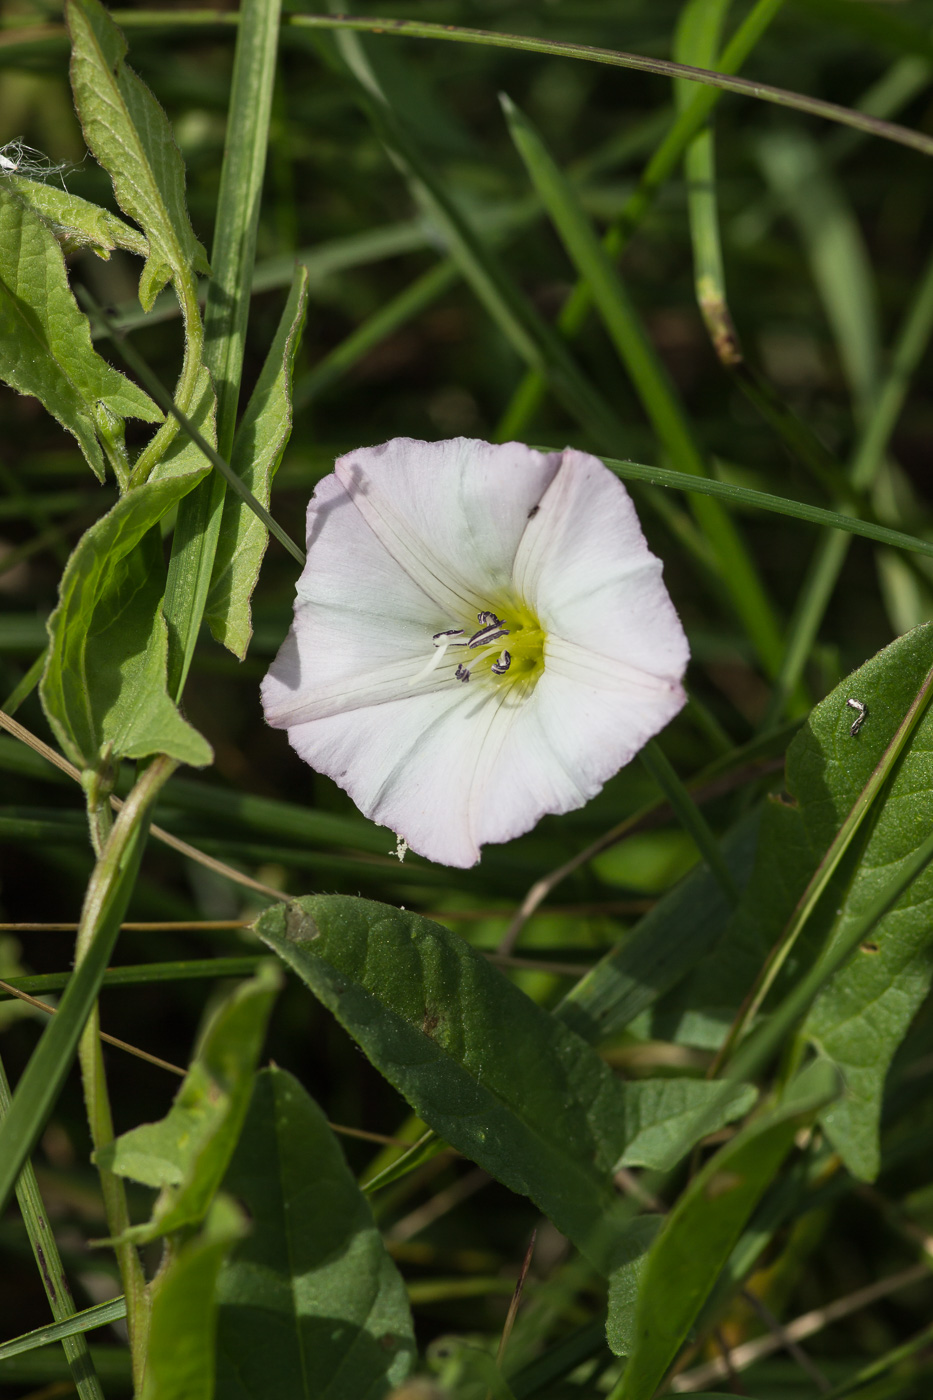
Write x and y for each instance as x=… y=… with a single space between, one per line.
x=585 y=567
x=451 y=513
x=566 y=741
x=362 y=629
x=407 y=540
x=411 y=764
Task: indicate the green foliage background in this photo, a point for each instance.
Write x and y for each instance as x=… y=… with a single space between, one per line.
x=684 y=1033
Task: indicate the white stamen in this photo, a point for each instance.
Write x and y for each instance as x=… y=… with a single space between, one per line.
x=462 y=673
x=488 y=619
x=500 y=667
x=432 y=662
x=444 y=639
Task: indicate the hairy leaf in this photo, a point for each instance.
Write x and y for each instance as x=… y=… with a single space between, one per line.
x=45 y=340
x=76 y=222
x=104 y=682
x=697 y=1236
x=487 y=1069
x=188 y=1151
x=865 y=1011
x=311 y=1305
x=492 y=1074
x=665 y=1117
x=180 y=1355
x=257 y=451
x=130 y=135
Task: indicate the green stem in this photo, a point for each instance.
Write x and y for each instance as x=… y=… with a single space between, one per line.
x=51 y=1269
x=161 y=395
x=105 y=904
x=197 y=528
x=764 y=500
x=652 y=383
x=100 y=1121
x=663 y=163
x=187 y=387
x=616 y=58
x=867 y=460
x=689 y=816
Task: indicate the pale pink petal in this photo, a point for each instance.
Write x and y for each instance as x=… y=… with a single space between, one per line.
x=417 y=765
x=567 y=740
x=452 y=513
x=586 y=569
x=362 y=627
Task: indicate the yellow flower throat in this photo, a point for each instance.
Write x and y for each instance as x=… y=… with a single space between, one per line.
x=505 y=647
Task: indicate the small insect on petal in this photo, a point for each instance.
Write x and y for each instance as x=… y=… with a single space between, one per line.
x=860 y=718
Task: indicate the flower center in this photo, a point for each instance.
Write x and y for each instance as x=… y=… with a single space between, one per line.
x=505 y=647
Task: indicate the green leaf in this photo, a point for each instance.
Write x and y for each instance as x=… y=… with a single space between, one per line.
x=45 y=340
x=626 y=1281
x=860 y=1018
x=104 y=681
x=257 y=451
x=698 y=1235
x=130 y=135
x=76 y=222
x=863 y=1015
x=665 y=1117
x=180 y=1357
x=188 y=1151
x=488 y=1070
x=311 y=1304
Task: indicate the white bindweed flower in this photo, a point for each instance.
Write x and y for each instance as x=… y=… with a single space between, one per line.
x=481 y=636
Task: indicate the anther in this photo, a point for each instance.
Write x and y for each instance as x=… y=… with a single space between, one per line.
x=488 y=619
x=443 y=639
x=491 y=633
x=500 y=667
x=462 y=673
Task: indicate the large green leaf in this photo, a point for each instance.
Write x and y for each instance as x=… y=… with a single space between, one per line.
x=130 y=135
x=188 y=1151
x=180 y=1355
x=104 y=683
x=486 y=1068
x=45 y=340
x=698 y=1235
x=865 y=1011
x=260 y=440
x=311 y=1304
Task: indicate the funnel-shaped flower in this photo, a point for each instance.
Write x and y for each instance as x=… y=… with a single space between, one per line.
x=481 y=636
